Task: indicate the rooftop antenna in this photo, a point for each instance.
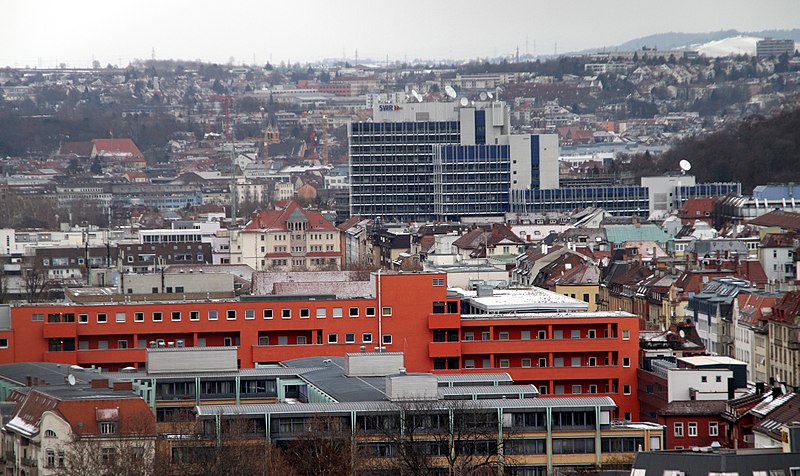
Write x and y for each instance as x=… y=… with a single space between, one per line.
x=685 y=166
x=451 y=93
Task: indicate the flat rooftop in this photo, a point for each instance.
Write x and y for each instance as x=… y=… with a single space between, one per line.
x=525 y=299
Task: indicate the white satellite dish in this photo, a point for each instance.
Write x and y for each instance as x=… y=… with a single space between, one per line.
x=464 y=102
x=491 y=96
x=416 y=95
x=71 y=379
x=483 y=96
x=682 y=333
x=685 y=165
x=451 y=93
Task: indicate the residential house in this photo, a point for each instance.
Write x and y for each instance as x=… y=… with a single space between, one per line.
x=288 y=239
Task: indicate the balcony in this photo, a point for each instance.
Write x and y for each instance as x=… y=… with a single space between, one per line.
x=59 y=330
x=444 y=349
x=601 y=372
x=111 y=356
x=793 y=344
x=444 y=321
x=277 y=353
x=536 y=345
x=65 y=357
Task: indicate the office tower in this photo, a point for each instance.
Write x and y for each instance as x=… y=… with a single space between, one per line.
x=444 y=161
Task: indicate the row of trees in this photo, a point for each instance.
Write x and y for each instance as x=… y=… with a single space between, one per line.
x=756 y=151
x=421 y=439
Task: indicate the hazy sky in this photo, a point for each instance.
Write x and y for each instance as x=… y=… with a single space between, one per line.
x=45 y=33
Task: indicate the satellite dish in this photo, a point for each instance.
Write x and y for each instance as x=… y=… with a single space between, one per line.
x=416 y=95
x=451 y=93
x=483 y=96
x=682 y=333
x=71 y=379
x=491 y=96
x=464 y=102
x=685 y=165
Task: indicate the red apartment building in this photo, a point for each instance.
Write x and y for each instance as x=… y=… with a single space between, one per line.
x=561 y=353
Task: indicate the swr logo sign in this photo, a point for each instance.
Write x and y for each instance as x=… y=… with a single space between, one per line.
x=389 y=107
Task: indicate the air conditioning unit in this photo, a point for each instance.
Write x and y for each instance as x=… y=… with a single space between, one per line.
x=180 y=343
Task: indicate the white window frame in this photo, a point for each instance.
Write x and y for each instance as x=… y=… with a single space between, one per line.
x=677 y=429
x=691 y=429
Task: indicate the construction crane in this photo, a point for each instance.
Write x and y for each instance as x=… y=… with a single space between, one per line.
x=227 y=113
x=325 y=156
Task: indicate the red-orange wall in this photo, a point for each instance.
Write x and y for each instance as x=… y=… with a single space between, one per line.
x=411 y=325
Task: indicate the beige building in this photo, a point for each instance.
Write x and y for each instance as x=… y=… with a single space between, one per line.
x=784 y=340
x=292 y=239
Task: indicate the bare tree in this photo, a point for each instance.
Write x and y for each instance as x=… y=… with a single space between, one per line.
x=3 y=284
x=430 y=436
x=326 y=448
x=37 y=286
x=128 y=452
x=234 y=448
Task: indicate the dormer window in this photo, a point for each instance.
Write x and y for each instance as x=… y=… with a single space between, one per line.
x=49 y=434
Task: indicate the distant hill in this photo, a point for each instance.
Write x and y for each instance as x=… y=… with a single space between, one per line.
x=671 y=40
x=754 y=152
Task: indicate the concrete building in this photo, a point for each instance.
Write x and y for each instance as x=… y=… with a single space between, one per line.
x=774 y=47
x=426 y=161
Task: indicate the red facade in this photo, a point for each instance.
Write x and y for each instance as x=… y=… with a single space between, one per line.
x=566 y=355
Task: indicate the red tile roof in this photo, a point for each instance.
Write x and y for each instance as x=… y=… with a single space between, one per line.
x=787 y=309
x=275 y=220
x=754 y=308
x=696 y=208
x=778 y=218
x=117 y=147
x=81 y=149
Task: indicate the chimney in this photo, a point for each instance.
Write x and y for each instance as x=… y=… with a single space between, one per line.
x=28 y=381
x=122 y=386
x=99 y=383
x=776 y=391
x=759 y=388
x=731 y=389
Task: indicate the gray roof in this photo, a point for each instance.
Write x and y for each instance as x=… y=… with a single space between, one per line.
x=702 y=464
x=44 y=371
x=256 y=372
x=81 y=392
x=329 y=377
x=386 y=406
x=501 y=390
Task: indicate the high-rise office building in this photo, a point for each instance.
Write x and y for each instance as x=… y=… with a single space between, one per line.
x=773 y=47
x=443 y=161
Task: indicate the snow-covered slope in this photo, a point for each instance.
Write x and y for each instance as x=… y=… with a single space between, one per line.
x=736 y=45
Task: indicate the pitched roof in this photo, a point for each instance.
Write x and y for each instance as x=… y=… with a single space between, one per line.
x=754 y=308
x=81 y=149
x=696 y=208
x=117 y=147
x=778 y=218
x=275 y=220
x=694 y=407
x=478 y=237
x=788 y=308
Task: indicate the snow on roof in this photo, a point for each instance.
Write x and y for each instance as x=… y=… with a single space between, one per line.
x=523 y=299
